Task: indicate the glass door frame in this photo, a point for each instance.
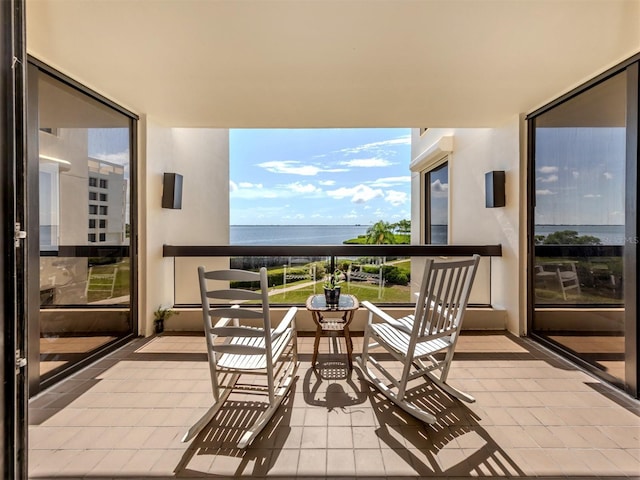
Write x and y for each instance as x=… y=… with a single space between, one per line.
x=14 y=394
x=630 y=259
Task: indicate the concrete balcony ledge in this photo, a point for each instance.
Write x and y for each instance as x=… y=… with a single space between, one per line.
x=480 y=318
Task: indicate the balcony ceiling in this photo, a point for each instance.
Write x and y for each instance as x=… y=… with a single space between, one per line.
x=330 y=63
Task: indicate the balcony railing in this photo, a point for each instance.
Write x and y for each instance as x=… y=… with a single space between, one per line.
x=382 y=273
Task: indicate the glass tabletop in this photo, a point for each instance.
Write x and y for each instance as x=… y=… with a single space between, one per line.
x=345 y=302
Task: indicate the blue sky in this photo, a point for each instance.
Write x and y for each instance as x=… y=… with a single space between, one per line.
x=319 y=176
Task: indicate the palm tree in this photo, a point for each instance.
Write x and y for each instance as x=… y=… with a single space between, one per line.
x=380 y=233
x=403 y=227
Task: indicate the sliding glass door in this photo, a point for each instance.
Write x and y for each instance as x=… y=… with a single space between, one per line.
x=84 y=190
x=580 y=161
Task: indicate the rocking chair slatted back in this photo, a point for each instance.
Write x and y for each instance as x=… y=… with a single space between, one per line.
x=239 y=340
x=443 y=297
x=234 y=313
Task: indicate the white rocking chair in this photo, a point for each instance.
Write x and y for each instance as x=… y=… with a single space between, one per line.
x=236 y=347
x=419 y=341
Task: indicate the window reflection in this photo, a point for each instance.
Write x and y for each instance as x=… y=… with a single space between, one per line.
x=579 y=225
x=84 y=162
x=437 y=205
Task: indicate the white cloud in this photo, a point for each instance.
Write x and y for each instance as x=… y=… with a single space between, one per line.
x=390 y=181
x=544 y=192
x=608 y=175
x=250 y=191
x=249 y=185
x=120 y=158
x=298 y=187
x=405 y=140
x=367 y=162
x=254 y=193
x=575 y=174
x=295 y=168
x=290 y=167
x=365 y=194
x=359 y=193
x=327 y=183
x=396 y=198
x=548 y=169
x=439 y=189
x=340 y=193
x=592 y=195
x=549 y=179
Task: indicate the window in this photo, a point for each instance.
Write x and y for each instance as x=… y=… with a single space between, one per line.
x=92 y=237
x=103 y=223
x=93 y=182
x=93 y=196
x=92 y=223
x=103 y=197
x=103 y=183
x=437 y=205
x=103 y=209
x=103 y=237
x=93 y=209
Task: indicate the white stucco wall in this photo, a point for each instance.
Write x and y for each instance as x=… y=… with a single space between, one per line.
x=475 y=152
x=201 y=156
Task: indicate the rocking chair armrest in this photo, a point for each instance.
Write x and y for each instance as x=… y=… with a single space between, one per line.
x=286 y=322
x=384 y=316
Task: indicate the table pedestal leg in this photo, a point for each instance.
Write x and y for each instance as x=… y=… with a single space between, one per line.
x=316 y=343
x=347 y=340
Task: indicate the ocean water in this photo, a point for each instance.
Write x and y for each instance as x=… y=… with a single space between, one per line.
x=336 y=234
x=294 y=234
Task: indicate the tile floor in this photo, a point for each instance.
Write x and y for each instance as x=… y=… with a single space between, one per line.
x=536 y=416
x=56 y=351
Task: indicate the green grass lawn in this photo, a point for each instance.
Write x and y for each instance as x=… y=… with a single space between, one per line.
x=586 y=296
x=362 y=290
x=121 y=287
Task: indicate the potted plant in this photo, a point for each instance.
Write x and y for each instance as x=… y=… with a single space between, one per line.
x=332 y=288
x=160 y=315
